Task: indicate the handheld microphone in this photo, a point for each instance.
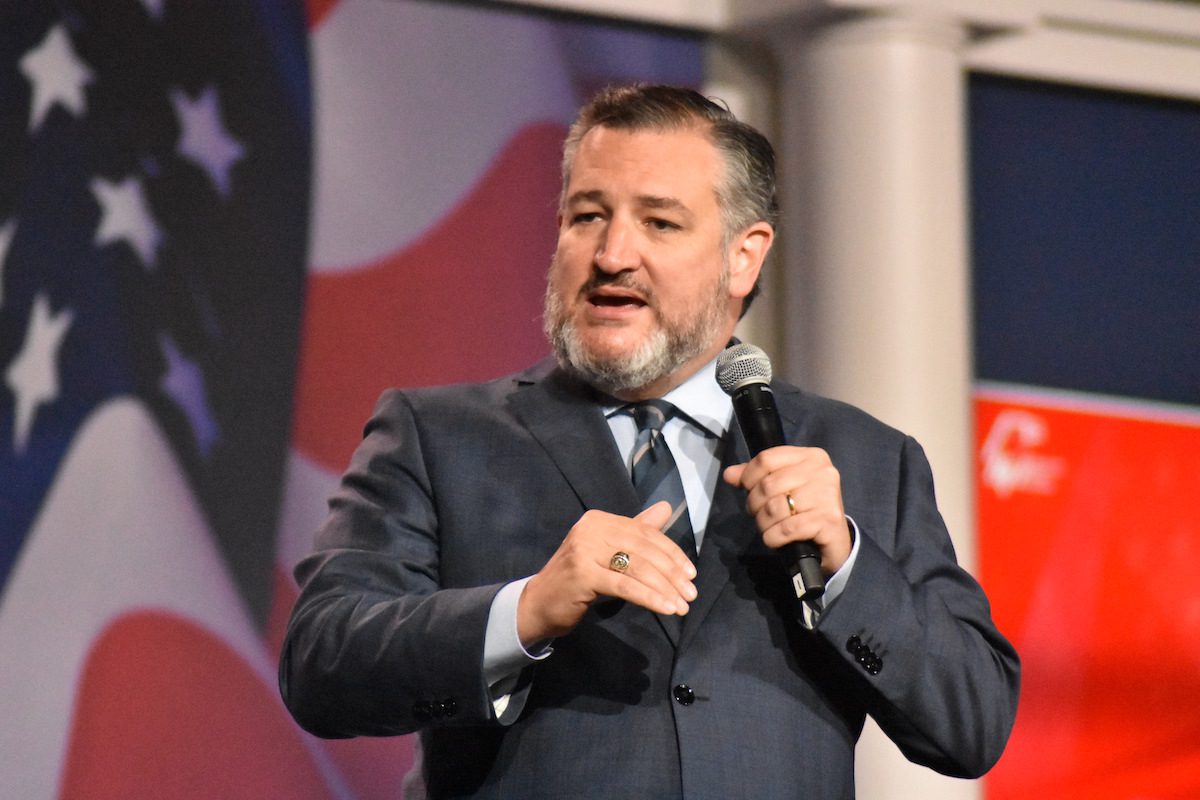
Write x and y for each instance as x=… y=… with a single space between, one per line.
x=744 y=373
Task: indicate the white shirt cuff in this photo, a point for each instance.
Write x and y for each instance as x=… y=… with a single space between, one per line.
x=504 y=656
x=811 y=611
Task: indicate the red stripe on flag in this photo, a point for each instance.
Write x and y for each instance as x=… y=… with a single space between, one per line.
x=317 y=10
x=461 y=303
x=168 y=710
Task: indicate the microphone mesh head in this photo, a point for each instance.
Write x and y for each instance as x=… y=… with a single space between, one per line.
x=741 y=364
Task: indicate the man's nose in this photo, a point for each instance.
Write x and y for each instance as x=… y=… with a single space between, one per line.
x=618 y=248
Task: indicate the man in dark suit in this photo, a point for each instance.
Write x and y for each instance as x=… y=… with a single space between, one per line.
x=490 y=576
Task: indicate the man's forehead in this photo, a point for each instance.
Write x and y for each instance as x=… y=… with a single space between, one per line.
x=665 y=165
x=625 y=136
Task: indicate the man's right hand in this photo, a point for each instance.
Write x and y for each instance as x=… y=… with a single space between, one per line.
x=659 y=576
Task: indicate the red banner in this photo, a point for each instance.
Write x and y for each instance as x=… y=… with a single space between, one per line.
x=1089 y=527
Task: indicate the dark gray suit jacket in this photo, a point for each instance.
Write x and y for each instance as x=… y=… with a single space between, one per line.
x=456 y=491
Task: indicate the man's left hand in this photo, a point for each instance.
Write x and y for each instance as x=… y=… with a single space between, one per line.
x=814 y=513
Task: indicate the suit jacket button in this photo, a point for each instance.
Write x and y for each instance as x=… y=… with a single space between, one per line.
x=449 y=707
x=422 y=711
x=684 y=695
x=854 y=645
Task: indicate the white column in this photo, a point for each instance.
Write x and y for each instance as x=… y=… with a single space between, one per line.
x=875 y=242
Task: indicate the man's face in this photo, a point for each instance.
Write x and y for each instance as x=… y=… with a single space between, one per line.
x=640 y=293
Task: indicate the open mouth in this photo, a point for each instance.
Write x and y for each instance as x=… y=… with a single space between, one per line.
x=615 y=300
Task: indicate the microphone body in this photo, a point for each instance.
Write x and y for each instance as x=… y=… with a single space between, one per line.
x=744 y=372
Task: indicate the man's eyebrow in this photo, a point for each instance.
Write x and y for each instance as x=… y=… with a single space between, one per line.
x=663 y=203
x=586 y=196
x=650 y=201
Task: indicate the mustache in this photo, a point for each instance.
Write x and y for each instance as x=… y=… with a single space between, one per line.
x=621 y=280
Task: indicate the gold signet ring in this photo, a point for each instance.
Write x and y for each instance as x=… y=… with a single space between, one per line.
x=619 y=562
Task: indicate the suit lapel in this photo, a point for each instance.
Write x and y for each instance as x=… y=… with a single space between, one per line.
x=563 y=415
x=726 y=535
x=730 y=531
x=791 y=413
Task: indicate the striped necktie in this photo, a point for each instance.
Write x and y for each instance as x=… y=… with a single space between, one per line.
x=655 y=476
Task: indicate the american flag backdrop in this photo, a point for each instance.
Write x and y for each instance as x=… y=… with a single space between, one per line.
x=225 y=227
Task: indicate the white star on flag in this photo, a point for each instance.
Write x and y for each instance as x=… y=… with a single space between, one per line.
x=204 y=140
x=126 y=216
x=57 y=74
x=184 y=383
x=33 y=374
x=6 y=236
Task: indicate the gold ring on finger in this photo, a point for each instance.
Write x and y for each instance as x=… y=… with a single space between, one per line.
x=791 y=504
x=619 y=562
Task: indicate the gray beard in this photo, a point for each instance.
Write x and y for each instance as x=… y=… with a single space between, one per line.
x=664 y=352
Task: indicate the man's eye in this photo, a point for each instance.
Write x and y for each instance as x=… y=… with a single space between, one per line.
x=663 y=225
x=585 y=217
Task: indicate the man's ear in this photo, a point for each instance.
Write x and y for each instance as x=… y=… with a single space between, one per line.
x=747 y=253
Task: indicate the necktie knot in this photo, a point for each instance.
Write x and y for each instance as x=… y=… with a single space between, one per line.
x=651 y=415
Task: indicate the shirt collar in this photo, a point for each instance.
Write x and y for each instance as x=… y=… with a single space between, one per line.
x=699 y=398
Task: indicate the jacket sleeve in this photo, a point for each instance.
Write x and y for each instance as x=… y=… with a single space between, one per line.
x=916 y=631
x=374 y=645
